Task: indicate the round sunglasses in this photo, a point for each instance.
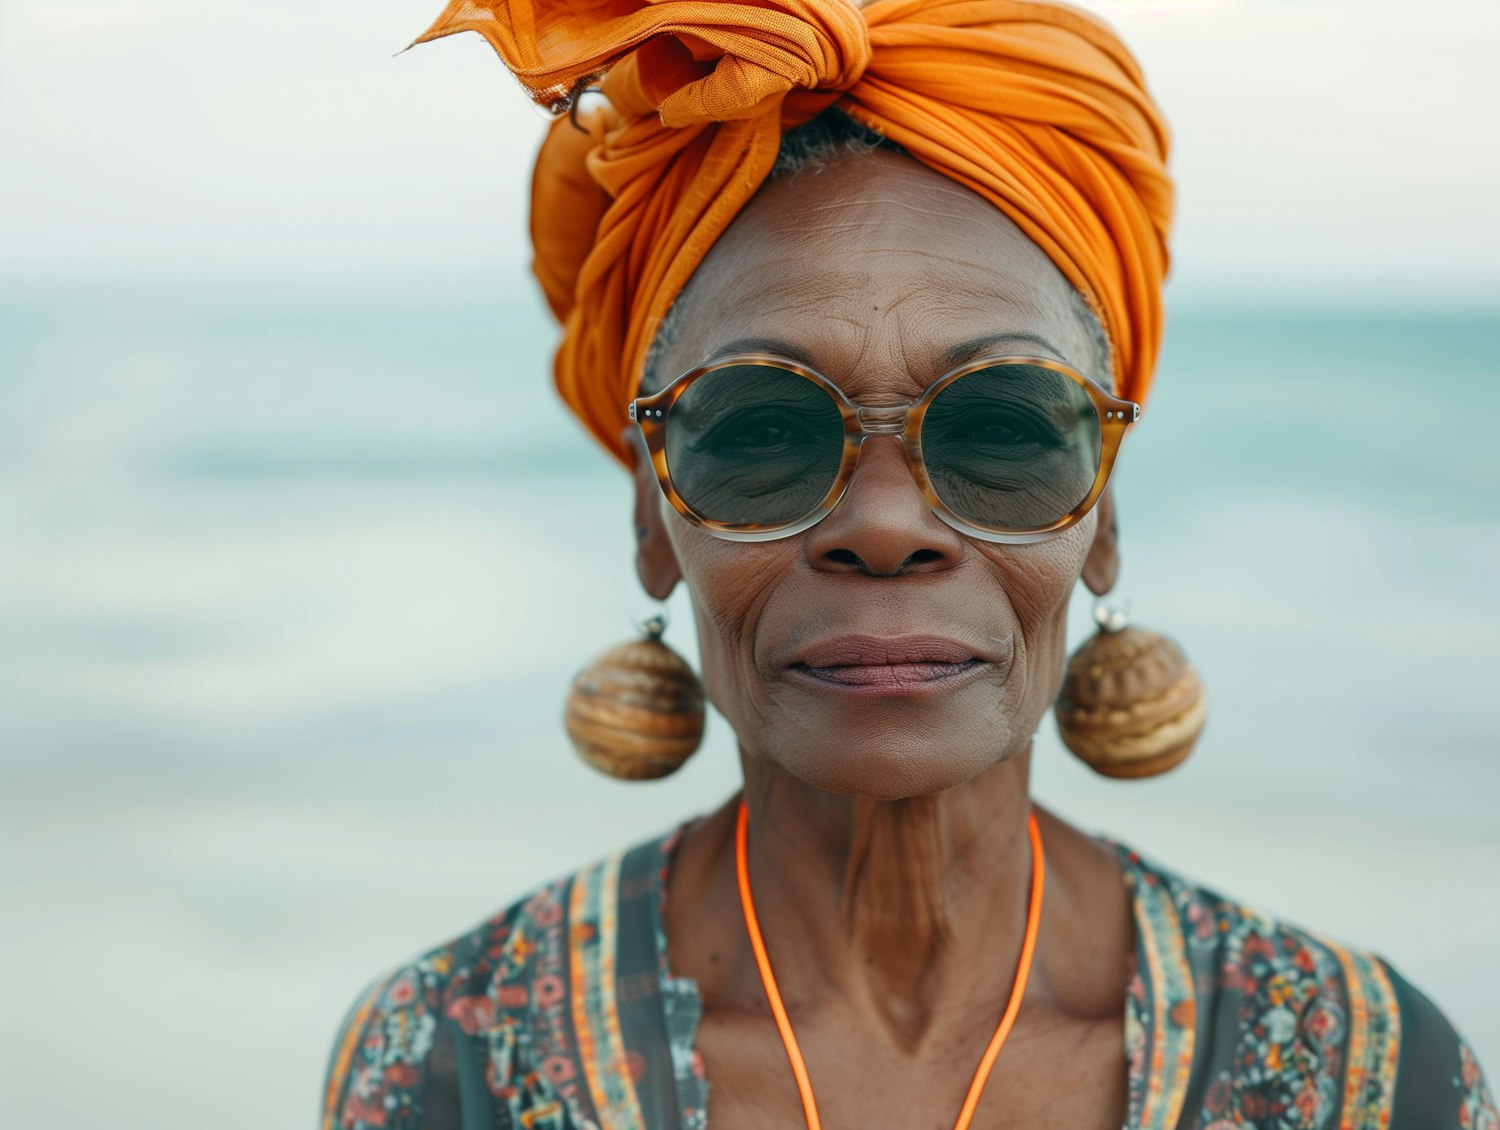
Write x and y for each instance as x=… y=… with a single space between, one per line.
x=1004 y=449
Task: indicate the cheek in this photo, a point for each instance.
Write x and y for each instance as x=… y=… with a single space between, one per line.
x=1039 y=579
x=730 y=584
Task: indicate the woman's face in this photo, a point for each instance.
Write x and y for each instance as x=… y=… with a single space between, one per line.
x=880 y=653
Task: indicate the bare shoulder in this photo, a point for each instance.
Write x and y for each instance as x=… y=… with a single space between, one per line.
x=1087 y=921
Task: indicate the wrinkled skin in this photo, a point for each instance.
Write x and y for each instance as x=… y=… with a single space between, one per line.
x=888 y=844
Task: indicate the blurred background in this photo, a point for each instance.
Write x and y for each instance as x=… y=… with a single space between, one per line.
x=289 y=596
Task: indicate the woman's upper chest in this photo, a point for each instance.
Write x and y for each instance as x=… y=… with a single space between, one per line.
x=603 y=1028
x=568 y=1017
x=1053 y=1071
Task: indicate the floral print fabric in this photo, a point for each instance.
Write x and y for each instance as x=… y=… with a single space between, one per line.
x=561 y=1014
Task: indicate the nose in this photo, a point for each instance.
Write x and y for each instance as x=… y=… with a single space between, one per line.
x=882 y=526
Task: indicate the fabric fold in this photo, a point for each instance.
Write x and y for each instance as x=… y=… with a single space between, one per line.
x=1036 y=106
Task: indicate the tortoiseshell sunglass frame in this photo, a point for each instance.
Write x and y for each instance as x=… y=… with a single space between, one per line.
x=653 y=413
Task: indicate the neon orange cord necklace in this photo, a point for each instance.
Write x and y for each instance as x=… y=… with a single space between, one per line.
x=784 y=1025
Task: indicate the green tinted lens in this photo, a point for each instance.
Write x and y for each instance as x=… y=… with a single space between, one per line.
x=754 y=445
x=1012 y=447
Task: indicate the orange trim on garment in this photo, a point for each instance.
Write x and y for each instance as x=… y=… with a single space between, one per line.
x=1374 y=1041
x=1392 y=1052
x=354 y=1029
x=1173 y=1009
x=577 y=973
x=593 y=923
x=625 y=1108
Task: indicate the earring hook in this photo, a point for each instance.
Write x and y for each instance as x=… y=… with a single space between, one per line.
x=1111 y=617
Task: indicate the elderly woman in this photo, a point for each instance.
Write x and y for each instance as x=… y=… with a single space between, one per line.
x=867 y=298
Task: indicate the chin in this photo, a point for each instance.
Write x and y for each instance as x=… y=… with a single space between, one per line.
x=876 y=763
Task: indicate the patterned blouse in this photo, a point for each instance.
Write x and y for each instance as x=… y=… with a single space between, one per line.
x=561 y=1014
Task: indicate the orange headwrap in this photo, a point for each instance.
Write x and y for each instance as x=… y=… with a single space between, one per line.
x=1037 y=107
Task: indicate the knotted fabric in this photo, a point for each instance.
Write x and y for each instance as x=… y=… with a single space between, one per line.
x=1037 y=107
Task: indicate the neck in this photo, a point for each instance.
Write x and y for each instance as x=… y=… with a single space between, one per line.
x=914 y=908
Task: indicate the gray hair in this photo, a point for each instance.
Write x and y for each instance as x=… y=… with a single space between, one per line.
x=809 y=149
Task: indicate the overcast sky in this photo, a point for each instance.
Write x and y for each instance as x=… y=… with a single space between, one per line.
x=1351 y=139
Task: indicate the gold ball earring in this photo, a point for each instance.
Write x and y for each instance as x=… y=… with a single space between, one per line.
x=636 y=711
x=1131 y=704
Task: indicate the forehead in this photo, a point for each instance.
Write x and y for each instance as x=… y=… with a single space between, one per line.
x=878 y=272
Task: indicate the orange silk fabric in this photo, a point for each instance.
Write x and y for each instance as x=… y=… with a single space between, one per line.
x=1037 y=107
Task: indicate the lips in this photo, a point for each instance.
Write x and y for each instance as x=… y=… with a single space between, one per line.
x=902 y=664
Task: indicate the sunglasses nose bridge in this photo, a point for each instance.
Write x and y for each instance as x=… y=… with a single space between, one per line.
x=877 y=421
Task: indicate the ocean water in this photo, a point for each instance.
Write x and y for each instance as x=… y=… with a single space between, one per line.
x=293 y=574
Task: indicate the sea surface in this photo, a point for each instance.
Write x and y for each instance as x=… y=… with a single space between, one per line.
x=294 y=573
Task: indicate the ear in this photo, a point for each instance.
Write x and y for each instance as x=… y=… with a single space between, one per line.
x=655 y=560
x=1102 y=565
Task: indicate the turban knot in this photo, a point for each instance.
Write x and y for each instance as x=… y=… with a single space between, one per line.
x=1034 y=105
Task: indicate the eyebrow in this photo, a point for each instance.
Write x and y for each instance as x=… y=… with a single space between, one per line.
x=964 y=351
x=976 y=347
x=763 y=345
